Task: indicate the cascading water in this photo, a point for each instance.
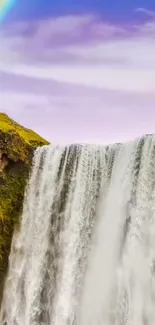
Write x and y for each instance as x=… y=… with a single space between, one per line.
x=85 y=253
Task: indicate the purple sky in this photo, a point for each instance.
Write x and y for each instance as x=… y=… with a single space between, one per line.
x=78 y=78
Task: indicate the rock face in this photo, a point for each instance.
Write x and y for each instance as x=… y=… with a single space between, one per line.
x=17 y=145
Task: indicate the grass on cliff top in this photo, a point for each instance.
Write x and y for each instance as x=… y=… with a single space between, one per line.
x=7 y=125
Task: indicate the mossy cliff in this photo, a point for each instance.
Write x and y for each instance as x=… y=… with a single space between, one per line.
x=17 y=145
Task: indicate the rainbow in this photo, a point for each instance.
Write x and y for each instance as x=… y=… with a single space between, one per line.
x=5 y=6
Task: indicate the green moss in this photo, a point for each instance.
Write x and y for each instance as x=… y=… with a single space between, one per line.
x=11 y=197
x=29 y=136
x=18 y=143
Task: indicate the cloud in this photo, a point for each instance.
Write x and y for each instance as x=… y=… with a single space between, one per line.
x=147 y=12
x=81 y=50
x=78 y=70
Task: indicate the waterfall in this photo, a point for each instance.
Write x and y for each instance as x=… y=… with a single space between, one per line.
x=85 y=252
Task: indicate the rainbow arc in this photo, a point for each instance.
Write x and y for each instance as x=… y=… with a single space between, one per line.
x=5 y=6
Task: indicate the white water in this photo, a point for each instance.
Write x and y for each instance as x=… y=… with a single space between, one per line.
x=85 y=254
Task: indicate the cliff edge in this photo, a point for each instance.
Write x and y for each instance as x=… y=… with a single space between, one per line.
x=17 y=145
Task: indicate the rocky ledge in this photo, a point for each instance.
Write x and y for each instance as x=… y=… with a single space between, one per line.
x=17 y=145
